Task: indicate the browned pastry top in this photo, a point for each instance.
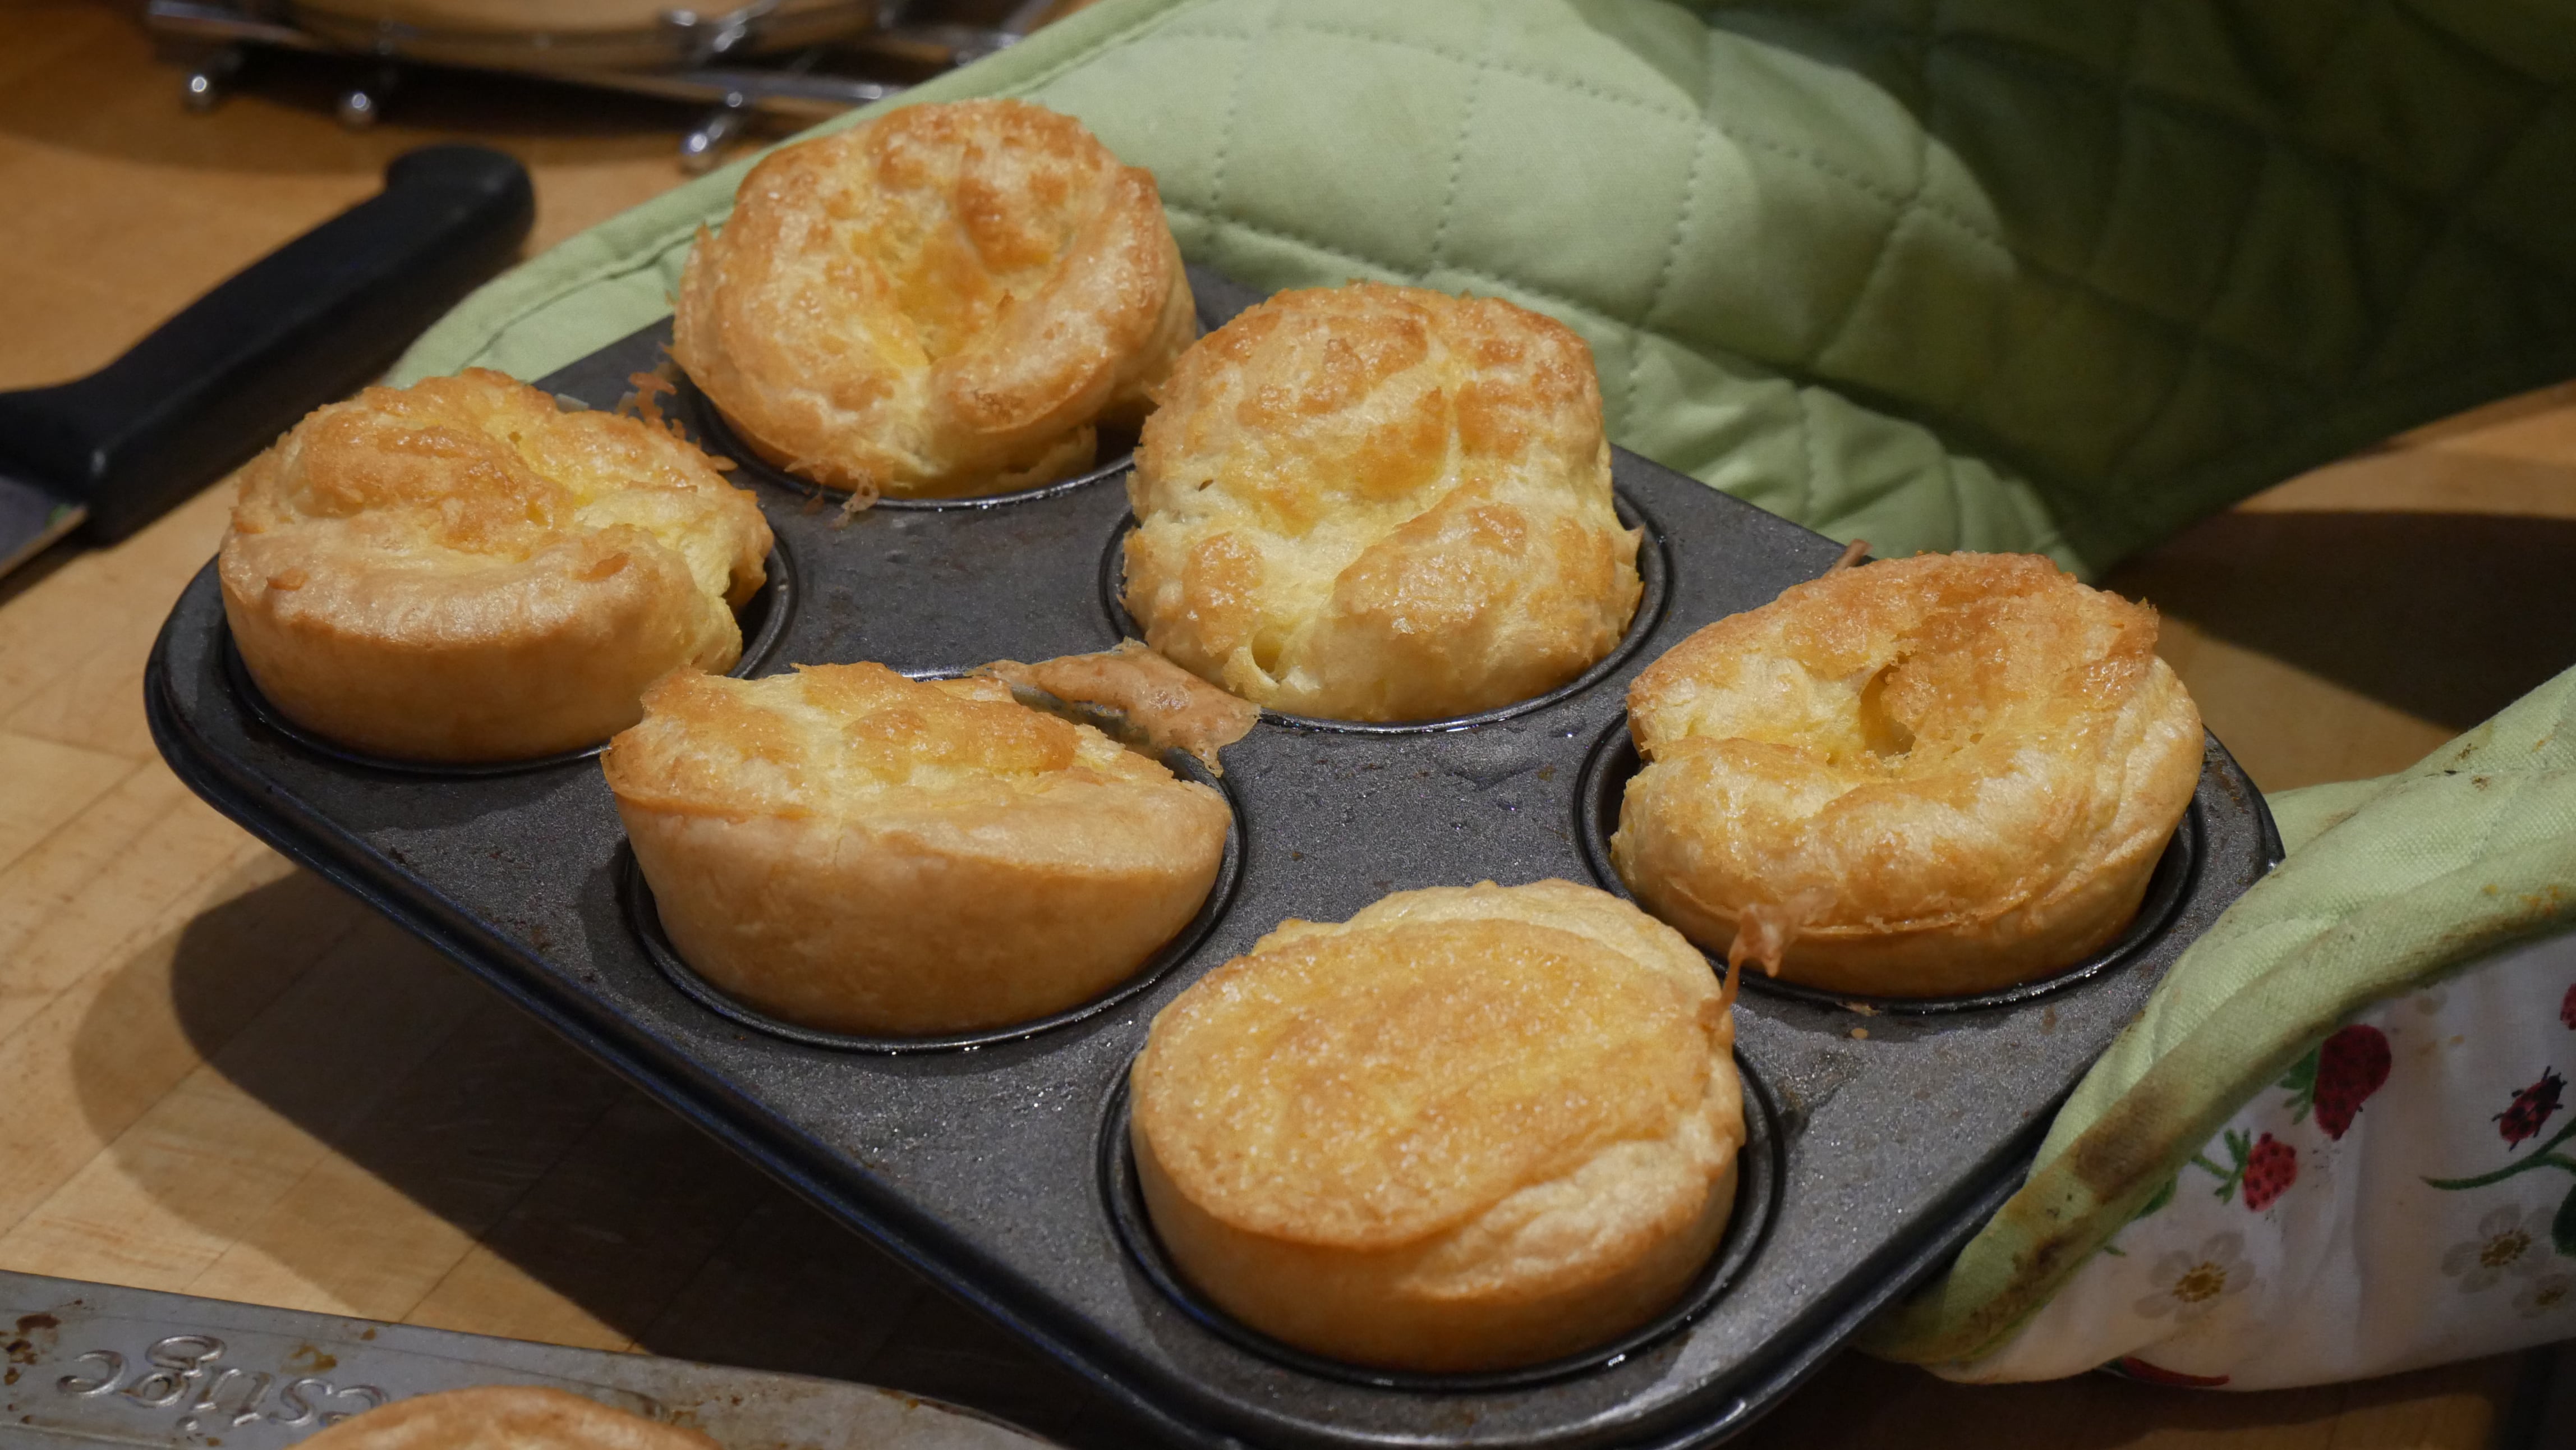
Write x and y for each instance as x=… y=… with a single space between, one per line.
x=460 y=570
x=1962 y=764
x=1372 y=1083
x=940 y=301
x=833 y=740
x=1380 y=503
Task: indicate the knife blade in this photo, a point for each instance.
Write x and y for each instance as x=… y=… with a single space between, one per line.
x=31 y=518
x=108 y=453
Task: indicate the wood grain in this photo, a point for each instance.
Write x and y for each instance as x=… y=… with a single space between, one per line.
x=223 y=1076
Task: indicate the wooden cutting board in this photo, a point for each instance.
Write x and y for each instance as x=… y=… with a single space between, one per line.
x=222 y=1077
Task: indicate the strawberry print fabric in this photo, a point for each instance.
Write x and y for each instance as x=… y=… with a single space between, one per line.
x=2404 y=1195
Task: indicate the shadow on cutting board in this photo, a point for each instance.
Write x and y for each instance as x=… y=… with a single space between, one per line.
x=373 y=1132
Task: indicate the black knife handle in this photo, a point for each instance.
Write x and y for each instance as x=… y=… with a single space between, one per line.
x=294 y=330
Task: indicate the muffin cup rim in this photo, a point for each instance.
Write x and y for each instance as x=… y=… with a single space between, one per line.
x=1761 y=1175
x=778 y=587
x=643 y=920
x=1654 y=597
x=2169 y=884
x=717 y=433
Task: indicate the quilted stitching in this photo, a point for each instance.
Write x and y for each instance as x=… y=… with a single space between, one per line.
x=2054 y=277
x=1458 y=152
x=2177 y=102
x=1233 y=120
x=1879 y=260
x=2244 y=320
x=1672 y=251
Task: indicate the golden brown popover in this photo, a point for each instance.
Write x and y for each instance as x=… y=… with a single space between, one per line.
x=1469 y=1129
x=1380 y=503
x=1922 y=777
x=943 y=301
x=503 y=1417
x=460 y=571
x=852 y=850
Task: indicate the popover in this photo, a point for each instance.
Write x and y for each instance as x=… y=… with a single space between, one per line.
x=1380 y=503
x=504 y=1417
x=1922 y=777
x=944 y=301
x=461 y=571
x=851 y=850
x=1469 y=1129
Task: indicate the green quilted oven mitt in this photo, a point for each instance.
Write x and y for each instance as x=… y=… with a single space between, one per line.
x=2343 y=1086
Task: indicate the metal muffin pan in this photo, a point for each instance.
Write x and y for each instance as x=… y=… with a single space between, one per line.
x=998 y=1168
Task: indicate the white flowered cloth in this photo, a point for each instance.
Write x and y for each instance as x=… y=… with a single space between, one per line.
x=2405 y=1196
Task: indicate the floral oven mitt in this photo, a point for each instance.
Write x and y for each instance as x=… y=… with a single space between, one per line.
x=2340 y=1130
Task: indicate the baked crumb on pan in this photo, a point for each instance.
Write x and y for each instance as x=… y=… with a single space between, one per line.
x=1142 y=699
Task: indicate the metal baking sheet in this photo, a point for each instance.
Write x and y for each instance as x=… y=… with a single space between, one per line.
x=996 y=1169
x=93 y=1364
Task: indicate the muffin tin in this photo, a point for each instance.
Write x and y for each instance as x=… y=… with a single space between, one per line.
x=998 y=1166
